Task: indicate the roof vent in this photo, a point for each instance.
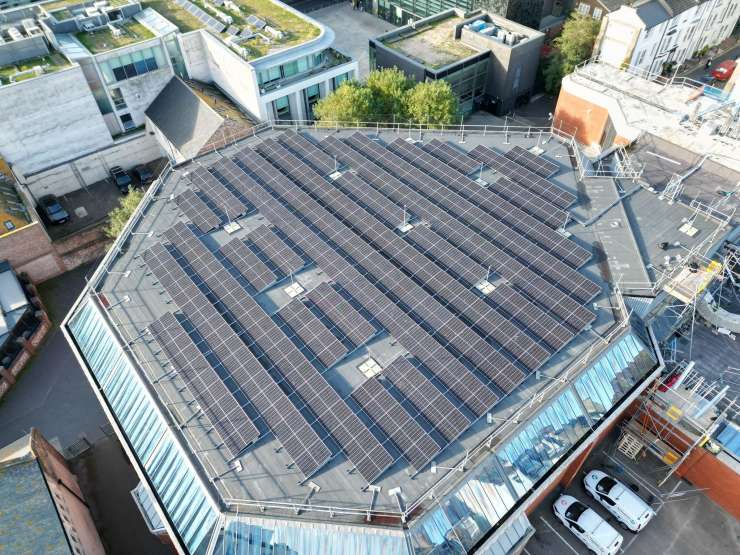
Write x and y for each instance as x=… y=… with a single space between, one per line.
x=485 y=287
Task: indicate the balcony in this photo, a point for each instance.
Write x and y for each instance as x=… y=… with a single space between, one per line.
x=332 y=59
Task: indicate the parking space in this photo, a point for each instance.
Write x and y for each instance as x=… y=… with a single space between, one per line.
x=686 y=522
x=90 y=205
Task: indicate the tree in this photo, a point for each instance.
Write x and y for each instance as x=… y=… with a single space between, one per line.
x=431 y=102
x=350 y=103
x=119 y=215
x=388 y=87
x=574 y=45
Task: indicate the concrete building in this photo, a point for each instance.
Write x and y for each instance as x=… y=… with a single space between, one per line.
x=489 y=61
x=77 y=78
x=42 y=509
x=654 y=36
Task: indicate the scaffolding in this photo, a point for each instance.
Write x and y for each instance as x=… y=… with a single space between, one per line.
x=674 y=416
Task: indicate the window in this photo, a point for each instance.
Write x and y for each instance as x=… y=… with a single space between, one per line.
x=640 y=57
x=127 y=121
x=312 y=95
x=597 y=13
x=339 y=79
x=281 y=107
x=118 y=100
x=133 y=64
x=584 y=8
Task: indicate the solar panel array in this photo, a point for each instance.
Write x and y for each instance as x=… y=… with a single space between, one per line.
x=463 y=350
x=218 y=404
x=539 y=165
x=313 y=332
x=201 y=15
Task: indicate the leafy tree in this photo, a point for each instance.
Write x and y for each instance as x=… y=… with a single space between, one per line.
x=119 y=215
x=574 y=45
x=431 y=102
x=350 y=103
x=388 y=87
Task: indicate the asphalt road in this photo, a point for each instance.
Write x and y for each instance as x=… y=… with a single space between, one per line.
x=696 y=71
x=52 y=394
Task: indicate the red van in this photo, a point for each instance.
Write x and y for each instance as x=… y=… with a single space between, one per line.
x=724 y=70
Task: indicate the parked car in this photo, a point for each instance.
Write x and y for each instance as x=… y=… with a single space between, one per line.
x=628 y=507
x=143 y=174
x=52 y=211
x=121 y=179
x=586 y=524
x=724 y=70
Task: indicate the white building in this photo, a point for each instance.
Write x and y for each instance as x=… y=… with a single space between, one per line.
x=77 y=77
x=649 y=34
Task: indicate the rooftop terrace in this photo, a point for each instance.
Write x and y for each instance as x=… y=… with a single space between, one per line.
x=105 y=39
x=33 y=67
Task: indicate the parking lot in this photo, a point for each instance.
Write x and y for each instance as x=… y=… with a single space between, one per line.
x=686 y=522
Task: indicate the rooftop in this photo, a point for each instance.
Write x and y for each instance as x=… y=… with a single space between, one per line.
x=33 y=67
x=114 y=36
x=285 y=252
x=432 y=44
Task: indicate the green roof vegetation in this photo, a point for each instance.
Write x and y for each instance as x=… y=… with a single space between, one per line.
x=296 y=30
x=103 y=40
x=184 y=20
x=50 y=63
x=56 y=4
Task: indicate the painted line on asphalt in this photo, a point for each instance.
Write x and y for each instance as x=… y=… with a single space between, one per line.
x=559 y=536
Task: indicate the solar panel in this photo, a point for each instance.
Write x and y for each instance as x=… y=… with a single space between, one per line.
x=201 y=15
x=500 y=214
x=290 y=427
x=197 y=211
x=466 y=385
x=232 y=30
x=308 y=151
x=342 y=313
x=313 y=333
x=446 y=418
x=276 y=250
x=444 y=319
x=475 y=246
x=361 y=446
x=453 y=156
x=218 y=404
x=417 y=446
x=535 y=183
x=538 y=164
x=220 y=196
x=249 y=264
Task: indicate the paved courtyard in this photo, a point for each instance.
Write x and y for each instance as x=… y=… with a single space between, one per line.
x=353 y=29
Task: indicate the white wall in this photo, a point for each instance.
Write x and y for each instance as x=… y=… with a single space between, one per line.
x=51 y=118
x=195 y=56
x=95 y=167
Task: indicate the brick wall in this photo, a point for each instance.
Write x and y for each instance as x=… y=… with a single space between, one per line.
x=587 y=120
x=704 y=470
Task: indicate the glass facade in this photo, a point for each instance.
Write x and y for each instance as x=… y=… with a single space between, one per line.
x=179 y=490
x=273 y=75
x=132 y=64
x=467 y=80
x=460 y=519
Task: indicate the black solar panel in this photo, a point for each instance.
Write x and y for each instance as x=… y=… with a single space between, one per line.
x=313 y=332
x=446 y=367
x=417 y=446
x=276 y=249
x=446 y=418
x=249 y=264
x=290 y=427
x=362 y=448
x=535 y=183
x=537 y=164
x=342 y=314
x=307 y=150
x=218 y=404
x=197 y=211
x=452 y=156
x=219 y=195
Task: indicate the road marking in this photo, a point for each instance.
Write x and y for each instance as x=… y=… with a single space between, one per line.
x=559 y=536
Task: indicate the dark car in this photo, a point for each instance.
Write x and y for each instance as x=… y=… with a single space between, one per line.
x=121 y=179
x=51 y=210
x=143 y=174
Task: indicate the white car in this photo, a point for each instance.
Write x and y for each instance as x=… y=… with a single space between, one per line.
x=628 y=508
x=595 y=532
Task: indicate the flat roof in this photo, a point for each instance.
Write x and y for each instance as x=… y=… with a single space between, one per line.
x=432 y=44
x=269 y=473
x=105 y=39
x=18 y=72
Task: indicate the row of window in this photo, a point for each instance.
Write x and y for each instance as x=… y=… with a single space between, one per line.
x=310 y=96
x=289 y=69
x=132 y=64
x=585 y=9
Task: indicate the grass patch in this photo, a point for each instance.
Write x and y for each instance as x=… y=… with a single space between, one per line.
x=50 y=63
x=184 y=20
x=295 y=29
x=103 y=40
